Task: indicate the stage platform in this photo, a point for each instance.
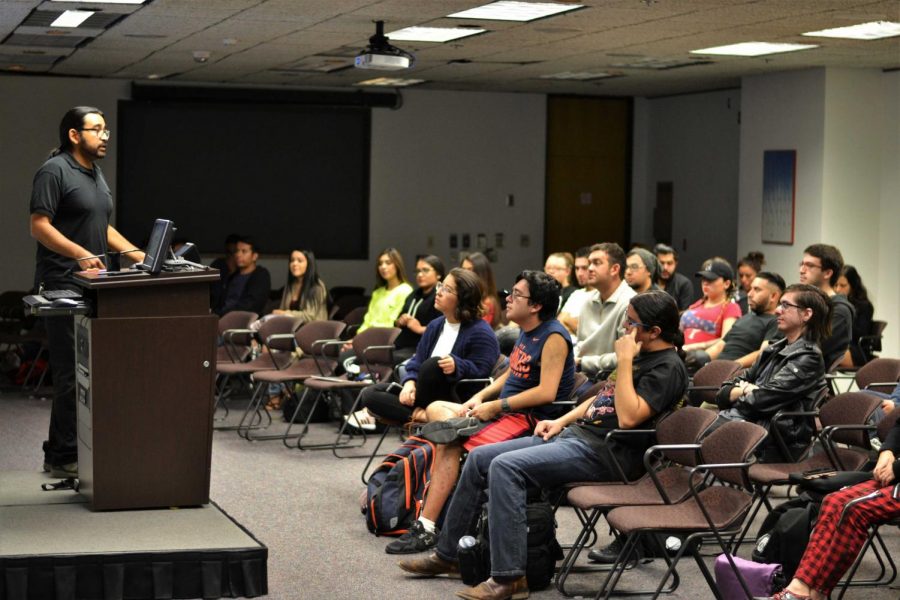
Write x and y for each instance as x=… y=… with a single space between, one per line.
x=53 y=546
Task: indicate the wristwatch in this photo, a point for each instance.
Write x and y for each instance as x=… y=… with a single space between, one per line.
x=504 y=405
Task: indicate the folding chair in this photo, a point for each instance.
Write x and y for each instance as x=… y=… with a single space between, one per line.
x=708 y=379
x=843 y=420
x=306 y=341
x=275 y=358
x=880 y=374
x=714 y=512
x=374 y=347
x=665 y=469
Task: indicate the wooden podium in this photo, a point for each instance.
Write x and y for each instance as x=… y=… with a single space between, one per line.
x=145 y=371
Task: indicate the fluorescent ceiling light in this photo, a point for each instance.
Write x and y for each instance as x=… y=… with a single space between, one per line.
x=72 y=18
x=515 y=11
x=104 y=1
x=875 y=30
x=580 y=75
x=391 y=82
x=432 y=34
x=753 y=49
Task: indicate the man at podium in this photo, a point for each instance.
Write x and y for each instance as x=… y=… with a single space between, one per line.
x=70 y=209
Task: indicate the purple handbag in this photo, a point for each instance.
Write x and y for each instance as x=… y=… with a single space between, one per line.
x=759 y=577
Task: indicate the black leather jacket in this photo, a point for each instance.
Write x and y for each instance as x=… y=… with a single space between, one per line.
x=790 y=377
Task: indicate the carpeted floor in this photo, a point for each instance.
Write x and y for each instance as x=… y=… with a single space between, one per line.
x=305 y=507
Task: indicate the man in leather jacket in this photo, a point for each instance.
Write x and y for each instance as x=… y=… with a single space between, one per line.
x=788 y=375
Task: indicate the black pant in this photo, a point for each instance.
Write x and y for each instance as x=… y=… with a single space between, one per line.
x=431 y=385
x=62 y=446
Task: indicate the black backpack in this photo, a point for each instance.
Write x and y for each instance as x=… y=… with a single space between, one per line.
x=396 y=490
x=543 y=549
x=785 y=532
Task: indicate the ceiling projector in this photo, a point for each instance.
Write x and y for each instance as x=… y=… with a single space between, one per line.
x=381 y=55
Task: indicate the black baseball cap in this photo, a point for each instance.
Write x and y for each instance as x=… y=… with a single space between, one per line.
x=715 y=270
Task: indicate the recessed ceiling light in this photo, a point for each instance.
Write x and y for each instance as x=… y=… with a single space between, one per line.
x=105 y=1
x=72 y=18
x=753 y=49
x=515 y=11
x=391 y=82
x=432 y=34
x=875 y=30
x=580 y=75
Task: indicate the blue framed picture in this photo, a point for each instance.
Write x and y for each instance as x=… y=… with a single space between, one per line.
x=779 y=187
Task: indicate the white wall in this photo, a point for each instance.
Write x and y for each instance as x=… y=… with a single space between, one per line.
x=442 y=164
x=691 y=140
x=844 y=126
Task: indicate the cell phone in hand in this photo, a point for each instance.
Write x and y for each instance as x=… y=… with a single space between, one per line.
x=395 y=388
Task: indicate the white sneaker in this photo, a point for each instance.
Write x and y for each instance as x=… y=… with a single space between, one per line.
x=361 y=419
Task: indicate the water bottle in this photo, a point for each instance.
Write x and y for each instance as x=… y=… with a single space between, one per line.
x=471 y=561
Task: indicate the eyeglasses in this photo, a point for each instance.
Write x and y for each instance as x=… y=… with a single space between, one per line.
x=103 y=134
x=634 y=267
x=516 y=294
x=442 y=288
x=809 y=265
x=631 y=324
x=784 y=305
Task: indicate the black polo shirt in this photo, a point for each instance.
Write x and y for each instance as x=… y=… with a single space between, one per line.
x=79 y=204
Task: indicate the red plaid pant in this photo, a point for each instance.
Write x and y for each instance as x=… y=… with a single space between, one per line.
x=834 y=543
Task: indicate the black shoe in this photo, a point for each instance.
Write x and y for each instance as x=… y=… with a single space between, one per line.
x=607 y=554
x=447 y=432
x=417 y=539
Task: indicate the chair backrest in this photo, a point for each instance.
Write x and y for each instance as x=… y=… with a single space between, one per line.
x=879 y=370
x=850 y=408
x=887 y=423
x=236 y=319
x=733 y=442
x=500 y=367
x=275 y=325
x=377 y=361
x=355 y=316
x=684 y=426
x=317 y=330
x=712 y=375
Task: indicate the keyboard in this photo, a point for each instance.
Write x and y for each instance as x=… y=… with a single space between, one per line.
x=57 y=294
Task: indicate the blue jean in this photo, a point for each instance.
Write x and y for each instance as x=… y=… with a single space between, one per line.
x=507 y=470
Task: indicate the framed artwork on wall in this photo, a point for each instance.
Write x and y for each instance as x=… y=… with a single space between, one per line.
x=779 y=188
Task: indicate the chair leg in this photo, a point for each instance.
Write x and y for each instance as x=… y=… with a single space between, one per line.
x=762 y=500
x=341 y=435
x=581 y=542
x=880 y=580
x=374 y=454
x=271 y=436
x=618 y=567
x=253 y=407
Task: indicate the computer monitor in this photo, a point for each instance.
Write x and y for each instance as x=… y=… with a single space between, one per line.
x=157 y=247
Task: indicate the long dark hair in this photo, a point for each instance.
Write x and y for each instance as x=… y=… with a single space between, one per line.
x=73 y=119
x=754 y=259
x=482 y=267
x=656 y=308
x=468 y=295
x=858 y=292
x=397 y=261
x=809 y=296
x=311 y=279
x=435 y=263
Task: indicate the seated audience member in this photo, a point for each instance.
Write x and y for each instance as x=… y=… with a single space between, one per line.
x=559 y=266
x=748 y=267
x=225 y=265
x=850 y=285
x=568 y=316
x=304 y=296
x=674 y=283
x=842 y=526
x=418 y=309
x=744 y=340
x=641 y=270
x=391 y=290
x=788 y=375
x=481 y=266
x=600 y=322
x=710 y=318
x=821 y=266
x=541 y=373
x=248 y=286
x=457 y=345
x=650 y=379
